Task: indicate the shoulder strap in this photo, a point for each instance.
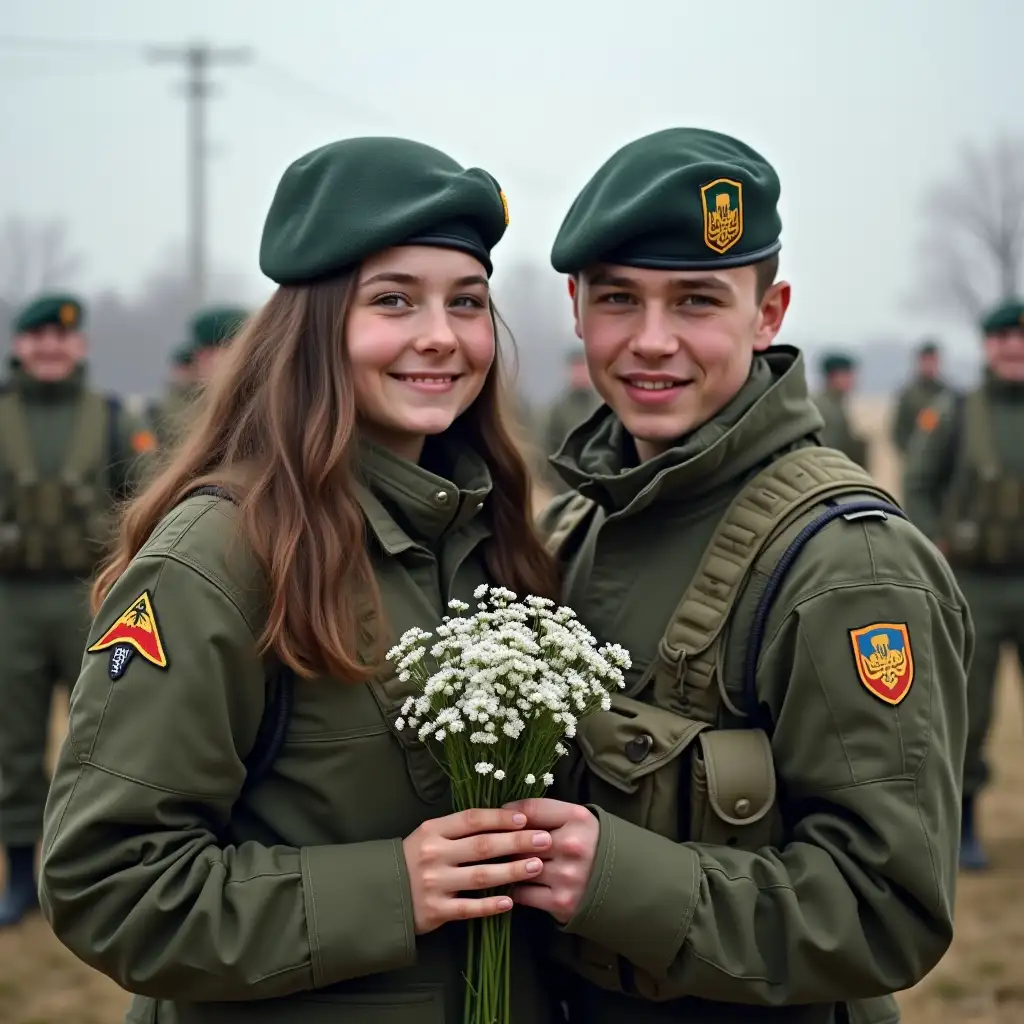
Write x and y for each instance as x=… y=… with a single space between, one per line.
x=577 y=512
x=687 y=661
x=280 y=694
x=876 y=508
x=980 y=444
x=15 y=441
x=91 y=433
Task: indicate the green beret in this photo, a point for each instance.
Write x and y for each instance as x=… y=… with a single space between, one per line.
x=1004 y=317
x=928 y=347
x=680 y=199
x=348 y=200
x=834 y=362
x=215 y=327
x=50 y=310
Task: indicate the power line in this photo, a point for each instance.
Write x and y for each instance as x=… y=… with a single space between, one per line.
x=198 y=59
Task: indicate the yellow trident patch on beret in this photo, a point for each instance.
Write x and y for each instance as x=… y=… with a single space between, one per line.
x=68 y=315
x=722 y=202
x=504 y=205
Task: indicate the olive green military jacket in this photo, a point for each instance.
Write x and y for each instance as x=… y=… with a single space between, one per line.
x=568 y=410
x=288 y=901
x=937 y=459
x=912 y=400
x=857 y=901
x=837 y=432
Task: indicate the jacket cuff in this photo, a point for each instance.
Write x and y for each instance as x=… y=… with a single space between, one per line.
x=358 y=910
x=641 y=896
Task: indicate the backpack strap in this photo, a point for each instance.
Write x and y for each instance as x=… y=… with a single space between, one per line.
x=15 y=440
x=687 y=663
x=866 y=508
x=280 y=693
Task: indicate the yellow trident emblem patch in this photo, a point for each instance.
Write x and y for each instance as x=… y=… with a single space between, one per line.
x=504 y=206
x=722 y=201
x=68 y=315
x=884 y=659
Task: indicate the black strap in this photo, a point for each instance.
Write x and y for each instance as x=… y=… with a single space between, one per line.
x=280 y=695
x=853 y=511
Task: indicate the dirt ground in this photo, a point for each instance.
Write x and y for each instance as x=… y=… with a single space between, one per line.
x=981 y=979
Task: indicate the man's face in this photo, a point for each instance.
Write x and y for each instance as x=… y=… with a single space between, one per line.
x=51 y=353
x=842 y=381
x=1004 y=352
x=666 y=349
x=929 y=365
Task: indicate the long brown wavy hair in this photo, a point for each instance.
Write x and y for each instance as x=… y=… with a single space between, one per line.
x=277 y=428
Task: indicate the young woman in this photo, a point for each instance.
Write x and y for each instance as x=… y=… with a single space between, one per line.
x=357 y=426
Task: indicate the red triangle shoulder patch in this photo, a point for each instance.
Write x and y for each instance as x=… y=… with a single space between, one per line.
x=136 y=628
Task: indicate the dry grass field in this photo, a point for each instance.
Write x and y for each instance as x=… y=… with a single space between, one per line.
x=981 y=980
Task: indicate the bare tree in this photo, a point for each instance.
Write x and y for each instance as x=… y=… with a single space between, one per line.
x=972 y=248
x=35 y=256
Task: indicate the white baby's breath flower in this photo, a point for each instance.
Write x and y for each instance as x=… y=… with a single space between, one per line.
x=483 y=768
x=548 y=779
x=400 y=724
x=499 y=774
x=531 y=779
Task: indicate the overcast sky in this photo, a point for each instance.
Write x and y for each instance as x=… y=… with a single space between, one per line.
x=859 y=105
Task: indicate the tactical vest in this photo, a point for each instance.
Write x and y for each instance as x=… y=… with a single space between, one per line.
x=983 y=517
x=693 y=761
x=55 y=526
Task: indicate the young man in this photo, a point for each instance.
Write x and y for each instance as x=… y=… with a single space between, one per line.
x=964 y=487
x=66 y=454
x=784 y=838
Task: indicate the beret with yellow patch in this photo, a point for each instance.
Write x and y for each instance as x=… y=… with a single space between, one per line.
x=212 y=328
x=837 y=362
x=680 y=199
x=1006 y=316
x=50 y=311
x=346 y=201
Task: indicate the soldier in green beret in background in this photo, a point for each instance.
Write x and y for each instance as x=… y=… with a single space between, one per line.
x=764 y=825
x=839 y=372
x=964 y=487
x=212 y=331
x=575 y=403
x=357 y=427
x=66 y=455
x=918 y=394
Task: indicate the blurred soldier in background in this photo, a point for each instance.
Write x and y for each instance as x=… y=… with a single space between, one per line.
x=839 y=371
x=917 y=394
x=180 y=393
x=964 y=487
x=572 y=406
x=211 y=332
x=66 y=455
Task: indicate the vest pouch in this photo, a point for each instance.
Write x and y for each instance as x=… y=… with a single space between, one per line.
x=636 y=756
x=733 y=795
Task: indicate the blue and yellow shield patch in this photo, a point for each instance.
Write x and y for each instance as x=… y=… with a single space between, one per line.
x=884 y=659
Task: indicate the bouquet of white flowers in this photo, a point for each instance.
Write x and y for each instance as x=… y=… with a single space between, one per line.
x=499 y=691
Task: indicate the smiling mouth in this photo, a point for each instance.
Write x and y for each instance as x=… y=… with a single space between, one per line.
x=425 y=378
x=655 y=385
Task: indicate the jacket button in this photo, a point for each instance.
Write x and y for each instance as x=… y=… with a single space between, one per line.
x=441 y=497
x=742 y=808
x=639 y=747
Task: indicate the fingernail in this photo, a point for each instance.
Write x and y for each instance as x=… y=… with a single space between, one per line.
x=505 y=903
x=533 y=866
x=518 y=819
x=541 y=839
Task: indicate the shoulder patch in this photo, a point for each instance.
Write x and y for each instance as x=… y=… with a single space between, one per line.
x=928 y=419
x=884 y=659
x=136 y=631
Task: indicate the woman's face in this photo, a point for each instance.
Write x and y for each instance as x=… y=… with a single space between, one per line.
x=420 y=343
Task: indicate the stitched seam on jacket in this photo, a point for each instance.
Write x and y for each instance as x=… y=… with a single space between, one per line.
x=316 y=959
x=684 y=924
x=410 y=945
x=210 y=794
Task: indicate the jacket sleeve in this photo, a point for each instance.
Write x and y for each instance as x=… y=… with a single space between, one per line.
x=859 y=901
x=138 y=877
x=928 y=468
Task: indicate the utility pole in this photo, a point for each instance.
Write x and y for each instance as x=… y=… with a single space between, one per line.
x=198 y=58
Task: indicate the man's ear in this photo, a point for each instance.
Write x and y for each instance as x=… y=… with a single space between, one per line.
x=575 y=297
x=771 y=314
